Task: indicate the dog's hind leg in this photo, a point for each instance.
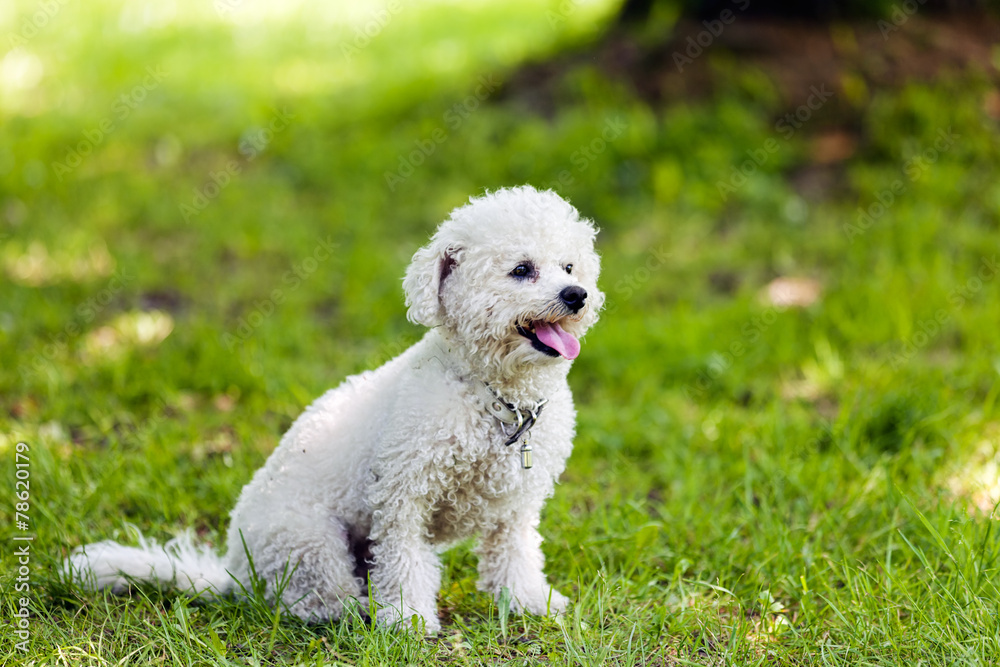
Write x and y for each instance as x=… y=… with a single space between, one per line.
x=312 y=569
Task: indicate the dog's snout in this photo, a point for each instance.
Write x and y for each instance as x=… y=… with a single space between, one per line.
x=574 y=297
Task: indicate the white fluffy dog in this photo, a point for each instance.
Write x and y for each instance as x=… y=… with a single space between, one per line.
x=463 y=434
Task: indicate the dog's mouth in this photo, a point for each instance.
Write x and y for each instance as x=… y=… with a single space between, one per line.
x=551 y=339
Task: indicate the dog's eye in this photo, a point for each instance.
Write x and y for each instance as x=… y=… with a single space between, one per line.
x=521 y=271
x=568 y=268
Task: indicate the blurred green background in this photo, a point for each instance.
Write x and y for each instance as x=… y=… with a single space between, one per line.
x=788 y=421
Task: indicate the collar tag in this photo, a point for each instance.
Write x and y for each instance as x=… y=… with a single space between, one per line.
x=526 y=461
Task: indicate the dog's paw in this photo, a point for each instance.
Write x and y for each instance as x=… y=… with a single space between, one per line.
x=427 y=622
x=313 y=609
x=557 y=602
x=544 y=603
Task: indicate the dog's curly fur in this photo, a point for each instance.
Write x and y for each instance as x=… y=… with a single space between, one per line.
x=396 y=464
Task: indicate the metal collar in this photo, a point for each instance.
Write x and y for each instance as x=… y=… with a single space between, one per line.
x=515 y=422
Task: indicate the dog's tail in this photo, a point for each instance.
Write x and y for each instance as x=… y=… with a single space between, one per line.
x=180 y=564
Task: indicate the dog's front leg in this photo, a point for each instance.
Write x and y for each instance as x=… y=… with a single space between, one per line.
x=407 y=572
x=510 y=556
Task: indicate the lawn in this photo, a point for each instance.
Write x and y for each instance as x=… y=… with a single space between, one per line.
x=788 y=444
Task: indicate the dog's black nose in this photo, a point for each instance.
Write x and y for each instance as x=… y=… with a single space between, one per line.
x=574 y=297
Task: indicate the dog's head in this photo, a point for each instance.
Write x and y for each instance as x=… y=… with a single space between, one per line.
x=512 y=275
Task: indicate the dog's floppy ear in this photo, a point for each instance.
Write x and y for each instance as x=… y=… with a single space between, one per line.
x=425 y=277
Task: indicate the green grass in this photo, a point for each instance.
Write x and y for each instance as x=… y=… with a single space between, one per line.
x=750 y=484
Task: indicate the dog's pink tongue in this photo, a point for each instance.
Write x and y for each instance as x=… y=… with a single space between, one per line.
x=553 y=335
